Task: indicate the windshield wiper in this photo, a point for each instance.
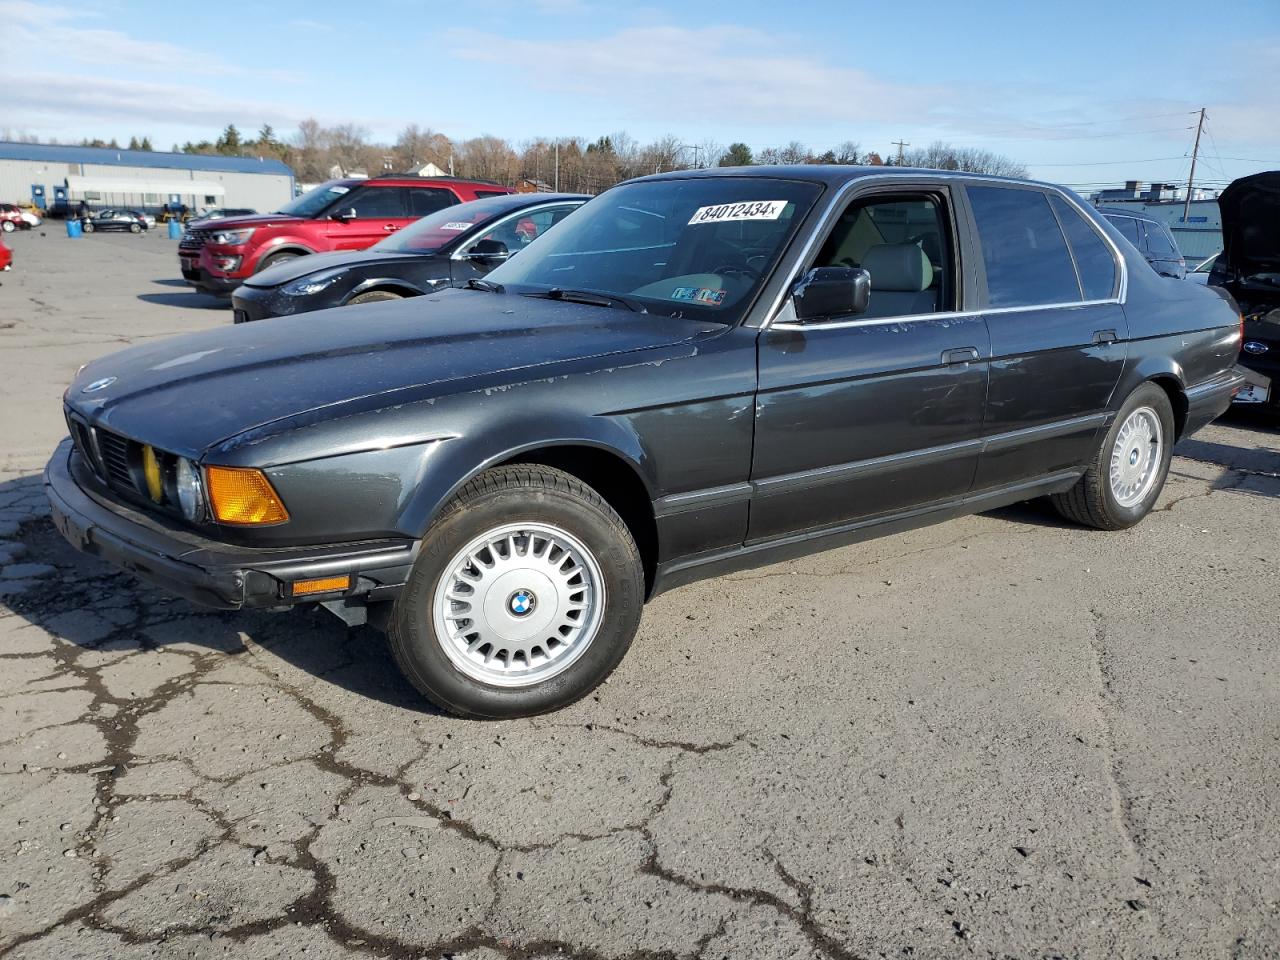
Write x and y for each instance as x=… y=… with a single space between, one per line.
x=591 y=298
x=475 y=283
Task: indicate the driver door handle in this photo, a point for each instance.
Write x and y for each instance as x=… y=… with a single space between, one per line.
x=960 y=355
x=390 y=228
x=1104 y=336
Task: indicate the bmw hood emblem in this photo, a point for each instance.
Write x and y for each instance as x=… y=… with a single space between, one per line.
x=99 y=385
x=521 y=603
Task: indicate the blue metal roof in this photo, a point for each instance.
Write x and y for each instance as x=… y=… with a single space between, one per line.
x=55 y=153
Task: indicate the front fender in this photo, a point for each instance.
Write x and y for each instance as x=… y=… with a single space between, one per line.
x=461 y=458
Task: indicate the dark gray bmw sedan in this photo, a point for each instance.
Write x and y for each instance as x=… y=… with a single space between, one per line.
x=695 y=373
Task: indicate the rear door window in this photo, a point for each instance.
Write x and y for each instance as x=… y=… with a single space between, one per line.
x=1129 y=227
x=1159 y=244
x=1023 y=249
x=425 y=200
x=376 y=202
x=1095 y=263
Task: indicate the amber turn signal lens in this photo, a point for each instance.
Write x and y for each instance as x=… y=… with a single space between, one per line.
x=243 y=496
x=151 y=471
x=320 y=585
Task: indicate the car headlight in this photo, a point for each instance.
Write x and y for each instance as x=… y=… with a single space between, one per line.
x=232 y=238
x=190 y=490
x=314 y=283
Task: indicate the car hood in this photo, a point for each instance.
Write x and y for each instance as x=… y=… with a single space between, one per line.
x=239 y=223
x=1250 y=210
x=188 y=393
x=305 y=266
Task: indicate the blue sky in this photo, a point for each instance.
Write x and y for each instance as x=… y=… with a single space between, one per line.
x=1103 y=95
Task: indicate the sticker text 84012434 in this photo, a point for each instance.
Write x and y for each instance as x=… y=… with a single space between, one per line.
x=750 y=210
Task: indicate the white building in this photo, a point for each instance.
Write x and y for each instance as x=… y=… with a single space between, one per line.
x=52 y=176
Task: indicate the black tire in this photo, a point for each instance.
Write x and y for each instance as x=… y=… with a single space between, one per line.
x=498 y=497
x=1091 y=502
x=373 y=296
x=275 y=258
x=88 y=228
x=135 y=228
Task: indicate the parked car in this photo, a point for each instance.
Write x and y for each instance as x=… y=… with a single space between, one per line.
x=1151 y=237
x=338 y=215
x=114 y=219
x=1202 y=270
x=219 y=213
x=6 y=256
x=12 y=217
x=1249 y=269
x=696 y=372
x=449 y=247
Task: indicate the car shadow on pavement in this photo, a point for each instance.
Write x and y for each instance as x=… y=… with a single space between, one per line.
x=189 y=299
x=86 y=602
x=171 y=282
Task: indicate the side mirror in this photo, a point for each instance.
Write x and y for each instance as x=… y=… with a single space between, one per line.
x=345 y=215
x=489 y=251
x=831 y=292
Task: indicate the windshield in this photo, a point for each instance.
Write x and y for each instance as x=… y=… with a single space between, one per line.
x=314 y=200
x=697 y=247
x=437 y=230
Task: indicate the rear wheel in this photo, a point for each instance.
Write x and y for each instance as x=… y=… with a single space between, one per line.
x=7 y=226
x=1127 y=473
x=525 y=595
x=373 y=296
x=135 y=228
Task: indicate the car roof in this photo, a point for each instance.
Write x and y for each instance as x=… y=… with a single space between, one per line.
x=1119 y=212
x=516 y=201
x=832 y=173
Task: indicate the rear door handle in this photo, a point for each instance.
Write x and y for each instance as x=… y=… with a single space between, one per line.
x=960 y=355
x=1104 y=336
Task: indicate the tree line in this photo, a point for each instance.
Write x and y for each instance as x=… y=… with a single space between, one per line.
x=575 y=164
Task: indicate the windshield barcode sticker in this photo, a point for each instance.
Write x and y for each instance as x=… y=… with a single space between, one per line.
x=727 y=212
x=455 y=225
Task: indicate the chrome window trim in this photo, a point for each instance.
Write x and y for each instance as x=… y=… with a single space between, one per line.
x=460 y=252
x=836 y=206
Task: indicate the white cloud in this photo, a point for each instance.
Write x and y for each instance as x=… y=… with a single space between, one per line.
x=708 y=76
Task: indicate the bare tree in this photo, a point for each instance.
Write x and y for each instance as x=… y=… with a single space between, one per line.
x=944 y=156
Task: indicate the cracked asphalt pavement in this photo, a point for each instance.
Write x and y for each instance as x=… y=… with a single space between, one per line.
x=1000 y=737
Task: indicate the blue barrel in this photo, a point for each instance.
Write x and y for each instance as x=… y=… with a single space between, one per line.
x=73 y=228
x=175 y=230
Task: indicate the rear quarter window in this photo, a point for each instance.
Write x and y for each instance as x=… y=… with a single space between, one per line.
x=1025 y=254
x=1095 y=263
x=1159 y=243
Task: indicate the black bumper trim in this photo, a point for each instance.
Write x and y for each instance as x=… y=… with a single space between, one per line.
x=208 y=572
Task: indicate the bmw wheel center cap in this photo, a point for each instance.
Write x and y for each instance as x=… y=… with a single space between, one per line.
x=521 y=603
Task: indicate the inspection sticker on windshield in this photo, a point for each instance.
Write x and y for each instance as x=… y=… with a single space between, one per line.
x=727 y=212
x=455 y=225
x=698 y=294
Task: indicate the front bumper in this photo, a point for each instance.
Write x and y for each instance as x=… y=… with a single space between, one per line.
x=209 y=572
x=258 y=303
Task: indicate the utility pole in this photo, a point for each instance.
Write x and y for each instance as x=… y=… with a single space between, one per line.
x=899 y=144
x=557 y=164
x=1195 y=151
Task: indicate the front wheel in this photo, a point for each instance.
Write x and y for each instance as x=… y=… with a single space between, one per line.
x=525 y=595
x=373 y=296
x=275 y=258
x=89 y=228
x=1127 y=473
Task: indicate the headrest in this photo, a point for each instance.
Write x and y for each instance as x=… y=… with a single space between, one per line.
x=901 y=267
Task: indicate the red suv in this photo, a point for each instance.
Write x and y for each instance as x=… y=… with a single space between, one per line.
x=338 y=215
